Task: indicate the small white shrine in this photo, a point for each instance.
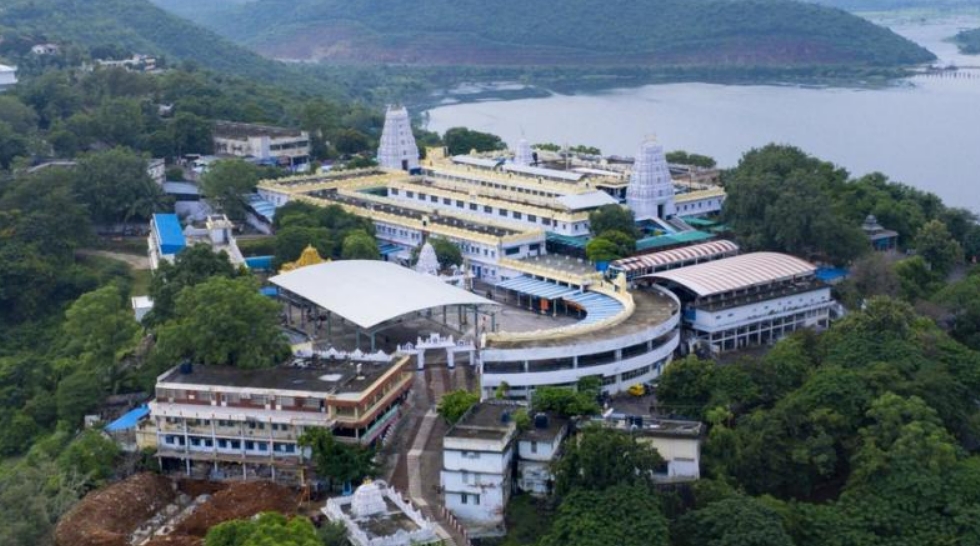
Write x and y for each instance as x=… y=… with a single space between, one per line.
x=376 y=515
x=428 y=263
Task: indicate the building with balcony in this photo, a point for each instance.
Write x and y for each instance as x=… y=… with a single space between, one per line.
x=285 y=146
x=168 y=239
x=477 y=466
x=225 y=422
x=538 y=448
x=751 y=299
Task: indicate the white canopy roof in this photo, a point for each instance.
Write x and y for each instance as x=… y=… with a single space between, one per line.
x=590 y=200
x=738 y=272
x=369 y=292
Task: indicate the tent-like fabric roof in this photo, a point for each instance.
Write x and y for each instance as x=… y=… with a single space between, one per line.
x=677 y=255
x=737 y=272
x=369 y=292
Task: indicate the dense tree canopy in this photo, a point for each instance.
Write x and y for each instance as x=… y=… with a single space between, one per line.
x=192 y=266
x=461 y=140
x=453 y=405
x=601 y=457
x=337 y=461
x=222 y=321
x=627 y=515
x=267 y=529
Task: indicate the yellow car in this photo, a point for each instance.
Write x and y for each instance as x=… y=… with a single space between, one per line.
x=637 y=390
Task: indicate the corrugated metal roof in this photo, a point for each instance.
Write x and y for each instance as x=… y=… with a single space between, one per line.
x=682 y=237
x=743 y=271
x=477 y=161
x=544 y=173
x=169 y=232
x=677 y=255
x=369 y=292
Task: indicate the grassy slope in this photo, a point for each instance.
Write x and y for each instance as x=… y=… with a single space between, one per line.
x=639 y=32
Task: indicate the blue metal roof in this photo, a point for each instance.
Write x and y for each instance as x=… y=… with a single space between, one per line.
x=389 y=248
x=262 y=207
x=170 y=233
x=597 y=307
x=270 y=291
x=129 y=420
x=259 y=262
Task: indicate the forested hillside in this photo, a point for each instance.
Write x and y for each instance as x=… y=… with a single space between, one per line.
x=885 y=5
x=968 y=41
x=139 y=26
x=576 y=32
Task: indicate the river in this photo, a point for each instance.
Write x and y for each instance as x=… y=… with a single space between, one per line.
x=923 y=131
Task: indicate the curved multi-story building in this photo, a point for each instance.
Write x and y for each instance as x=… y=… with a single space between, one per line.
x=624 y=346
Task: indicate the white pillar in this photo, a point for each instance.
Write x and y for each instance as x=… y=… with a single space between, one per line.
x=420 y=358
x=449 y=359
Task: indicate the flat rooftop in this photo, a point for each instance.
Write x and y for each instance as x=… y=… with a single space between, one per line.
x=414 y=213
x=650 y=426
x=485 y=421
x=652 y=308
x=321 y=375
x=546 y=433
x=234 y=129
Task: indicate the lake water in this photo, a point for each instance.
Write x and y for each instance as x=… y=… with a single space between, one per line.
x=924 y=131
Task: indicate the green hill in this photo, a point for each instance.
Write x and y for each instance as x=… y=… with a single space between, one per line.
x=640 y=33
x=139 y=26
x=968 y=41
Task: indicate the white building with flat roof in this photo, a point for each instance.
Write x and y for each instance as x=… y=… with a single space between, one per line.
x=8 y=77
x=538 y=448
x=286 y=146
x=477 y=457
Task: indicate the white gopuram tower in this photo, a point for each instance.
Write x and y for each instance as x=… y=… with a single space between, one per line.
x=428 y=263
x=651 y=190
x=523 y=155
x=397 y=149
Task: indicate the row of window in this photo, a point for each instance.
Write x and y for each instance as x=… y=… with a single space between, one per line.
x=487 y=209
x=229 y=445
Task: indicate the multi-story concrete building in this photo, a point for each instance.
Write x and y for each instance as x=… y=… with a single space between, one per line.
x=477 y=458
x=751 y=299
x=229 y=422
x=677 y=442
x=538 y=448
x=167 y=238
x=286 y=146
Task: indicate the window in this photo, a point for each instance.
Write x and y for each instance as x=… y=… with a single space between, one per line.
x=502 y=212
x=513 y=250
x=394 y=191
x=473 y=206
x=534 y=447
x=487 y=209
x=469 y=498
x=434 y=198
x=517 y=215
x=410 y=194
x=447 y=201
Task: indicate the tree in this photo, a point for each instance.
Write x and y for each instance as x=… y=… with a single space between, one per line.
x=335 y=460
x=223 y=321
x=601 y=457
x=626 y=515
x=12 y=145
x=734 y=521
x=92 y=457
x=916 y=280
x=351 y=141
x=98 y=328
x=602 y=250
x=226 y=181
x=461 y=141
x=447 y=252
x=565 y=402
x=453 y=405
x=358 y=245
x=934 y=243
x=116 y=187
x=192 y=266
x=293 y=239
x=683 y=158
x=332 y=533
x=266 y=529
x=612 y=218
x=78 y=394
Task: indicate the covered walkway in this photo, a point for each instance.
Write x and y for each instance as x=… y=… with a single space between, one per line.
x=548 y=296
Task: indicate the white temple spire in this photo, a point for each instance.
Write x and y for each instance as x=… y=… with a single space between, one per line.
x=651 y=191
x=397 y=149
x=428 y=263
x=523 y=154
